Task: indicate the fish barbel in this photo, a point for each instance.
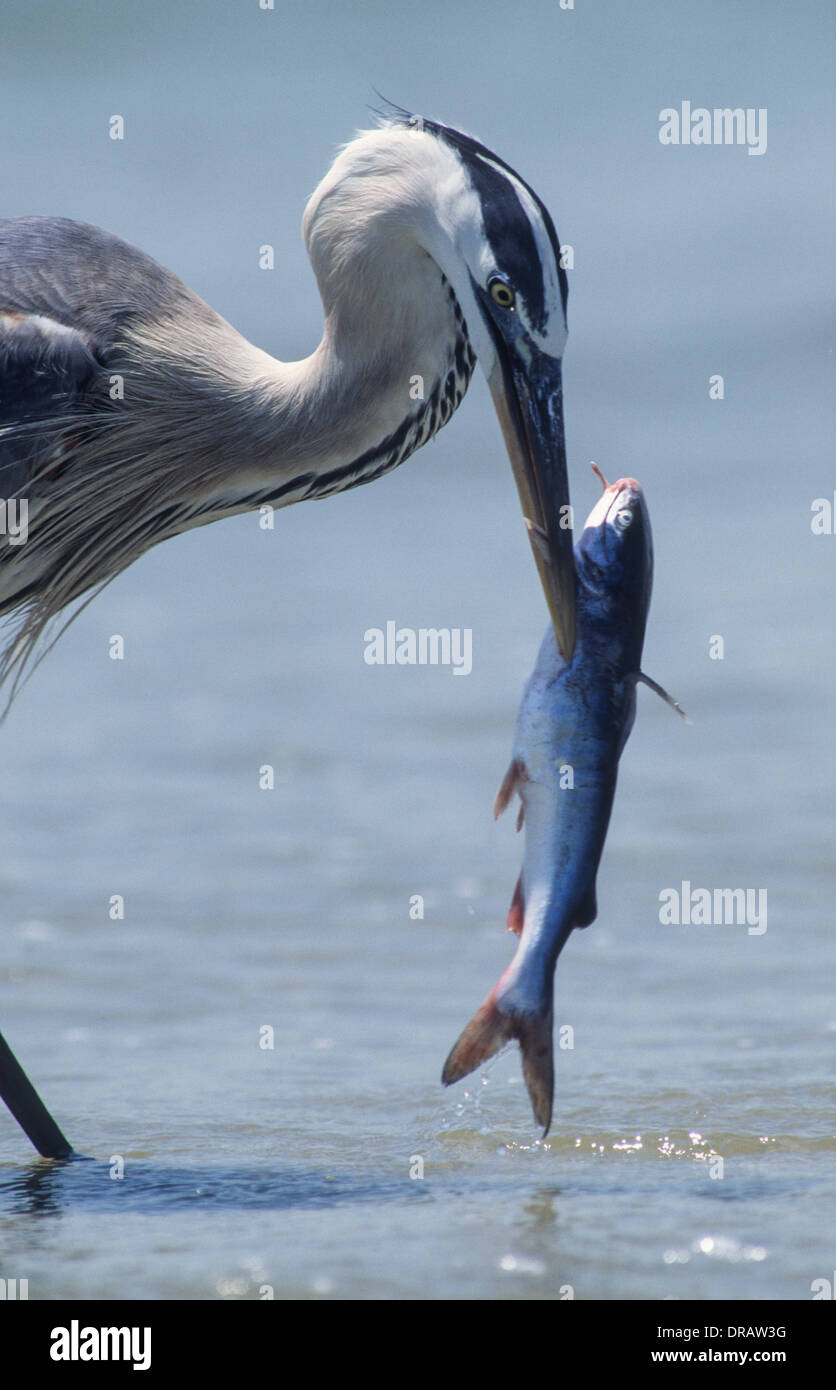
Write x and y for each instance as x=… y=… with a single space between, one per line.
x=573 y=723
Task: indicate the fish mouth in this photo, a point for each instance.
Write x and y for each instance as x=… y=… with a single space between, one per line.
x=527 y=389
x=612 y=499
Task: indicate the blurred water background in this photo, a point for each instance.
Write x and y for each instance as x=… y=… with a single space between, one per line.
x=291 y=1167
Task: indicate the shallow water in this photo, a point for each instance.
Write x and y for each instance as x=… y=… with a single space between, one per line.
x=296 y=1166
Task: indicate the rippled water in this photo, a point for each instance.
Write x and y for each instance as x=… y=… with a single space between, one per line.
x=298 y=1166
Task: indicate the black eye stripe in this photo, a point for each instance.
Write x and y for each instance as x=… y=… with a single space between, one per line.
x=512 y=241
x=478 y=157
x=485 y=168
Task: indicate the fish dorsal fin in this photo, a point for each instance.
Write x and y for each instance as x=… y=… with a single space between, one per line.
x=660 y=690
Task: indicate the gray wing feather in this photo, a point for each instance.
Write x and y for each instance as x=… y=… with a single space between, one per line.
x=45 y=371
x=105 y=478
x=70 y=296
x=81 y=276
x=68 y=291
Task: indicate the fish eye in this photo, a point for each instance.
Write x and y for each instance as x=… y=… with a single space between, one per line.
x=501 y=293
x=623 y=518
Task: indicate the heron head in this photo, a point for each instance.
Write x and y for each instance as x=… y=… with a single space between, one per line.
x=417 y=181
x=496 y=243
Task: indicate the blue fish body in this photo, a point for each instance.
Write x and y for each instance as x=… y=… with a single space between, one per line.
x=573 y=723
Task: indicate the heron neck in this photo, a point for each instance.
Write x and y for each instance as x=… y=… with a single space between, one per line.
x=363 y=397
x=389 y=371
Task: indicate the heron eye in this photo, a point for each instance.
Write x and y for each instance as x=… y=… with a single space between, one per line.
x=501 y=293
x=623 y=519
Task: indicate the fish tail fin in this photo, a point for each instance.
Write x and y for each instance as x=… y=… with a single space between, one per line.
x=494 y=1024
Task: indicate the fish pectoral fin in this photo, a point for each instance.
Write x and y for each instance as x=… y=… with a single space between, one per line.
x=515 y=773
x=516 y=912
x=660 y=690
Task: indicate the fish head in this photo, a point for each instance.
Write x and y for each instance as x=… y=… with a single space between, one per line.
x=614 y=561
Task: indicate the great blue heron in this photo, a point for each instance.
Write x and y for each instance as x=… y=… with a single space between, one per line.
x=130 y=411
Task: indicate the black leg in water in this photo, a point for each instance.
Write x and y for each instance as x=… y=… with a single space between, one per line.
x=28 y=1109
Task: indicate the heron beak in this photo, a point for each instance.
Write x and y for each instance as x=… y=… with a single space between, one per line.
x=527 y=391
